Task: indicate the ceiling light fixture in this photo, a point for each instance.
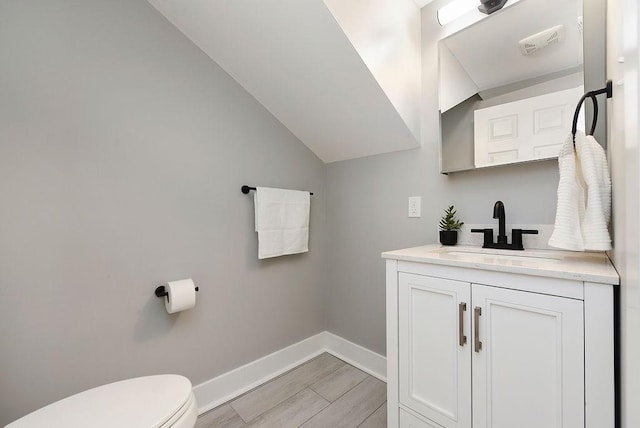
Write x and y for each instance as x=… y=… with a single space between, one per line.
x=490 y=6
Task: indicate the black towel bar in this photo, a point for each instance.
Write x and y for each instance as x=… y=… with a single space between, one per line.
x=245 y=189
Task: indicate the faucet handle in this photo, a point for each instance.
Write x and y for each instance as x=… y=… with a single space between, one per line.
x=516 y=237
x=488 y=236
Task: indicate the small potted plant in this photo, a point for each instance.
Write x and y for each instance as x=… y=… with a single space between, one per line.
x=449 y=227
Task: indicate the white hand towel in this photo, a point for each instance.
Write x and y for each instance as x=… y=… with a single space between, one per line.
x=282 y=221
x=567 y=232
x=595 y=172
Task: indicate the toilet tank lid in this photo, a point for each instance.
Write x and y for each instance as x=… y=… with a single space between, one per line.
x=140 y=402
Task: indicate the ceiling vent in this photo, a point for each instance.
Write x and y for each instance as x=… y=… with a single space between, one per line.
x=550 y=36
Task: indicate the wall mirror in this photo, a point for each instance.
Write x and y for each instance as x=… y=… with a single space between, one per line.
x=509 y=83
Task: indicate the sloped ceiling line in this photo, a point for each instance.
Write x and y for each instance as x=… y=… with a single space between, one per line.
x=295 y=59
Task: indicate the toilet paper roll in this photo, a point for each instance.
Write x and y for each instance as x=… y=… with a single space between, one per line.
x=182 y=295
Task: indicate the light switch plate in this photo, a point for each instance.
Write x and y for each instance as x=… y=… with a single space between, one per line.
x=415 y=206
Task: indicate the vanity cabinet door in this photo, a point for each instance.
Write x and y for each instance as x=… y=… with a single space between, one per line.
x=529 y=370
x=435 y=348
x=407 y=420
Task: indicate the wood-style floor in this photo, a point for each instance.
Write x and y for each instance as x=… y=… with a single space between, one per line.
x=324 y=392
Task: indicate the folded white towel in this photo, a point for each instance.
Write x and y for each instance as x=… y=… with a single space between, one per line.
x=282 y=221
x=595 y=172
x=584 y=197
x=570 y=210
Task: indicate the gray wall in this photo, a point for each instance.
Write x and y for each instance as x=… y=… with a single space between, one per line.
x=367 y=208
x=122 y=152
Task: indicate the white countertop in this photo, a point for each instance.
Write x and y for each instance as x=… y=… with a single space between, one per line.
x=590 y=267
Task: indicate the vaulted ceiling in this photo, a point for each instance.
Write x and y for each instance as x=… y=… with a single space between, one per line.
x=342 y=79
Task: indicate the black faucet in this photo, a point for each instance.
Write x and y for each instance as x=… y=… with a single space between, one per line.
x=498 y=212
x=516 y=234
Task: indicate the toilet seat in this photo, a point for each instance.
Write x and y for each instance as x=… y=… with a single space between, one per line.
x=160 y=401
x=185 y=417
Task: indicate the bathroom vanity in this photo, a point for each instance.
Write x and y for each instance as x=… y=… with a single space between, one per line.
x=499 y=339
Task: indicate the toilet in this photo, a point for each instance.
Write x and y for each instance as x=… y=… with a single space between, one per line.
x=160 y=401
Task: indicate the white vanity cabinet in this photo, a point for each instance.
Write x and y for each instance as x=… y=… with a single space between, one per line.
x=490 y=345
x=434 y=365
x=530 y=371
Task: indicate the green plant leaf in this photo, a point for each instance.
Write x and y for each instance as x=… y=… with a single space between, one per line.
x=449 y=221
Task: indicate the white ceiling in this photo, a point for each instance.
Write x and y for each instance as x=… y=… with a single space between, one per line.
x=387 y=36
x=294 y=58
x=422 y=3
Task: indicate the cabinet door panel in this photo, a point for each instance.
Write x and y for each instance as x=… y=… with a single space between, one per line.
x=407 y=420
x=529 y=372
x=435 y=370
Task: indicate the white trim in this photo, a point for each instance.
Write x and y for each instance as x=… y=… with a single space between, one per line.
x=356 y=355
x=227 y=386
x=393 y=380
x=599 y=359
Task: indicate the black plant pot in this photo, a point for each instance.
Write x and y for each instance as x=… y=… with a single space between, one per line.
x=448 y=237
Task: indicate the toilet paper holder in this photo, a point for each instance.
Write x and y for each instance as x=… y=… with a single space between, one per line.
x=161 y=291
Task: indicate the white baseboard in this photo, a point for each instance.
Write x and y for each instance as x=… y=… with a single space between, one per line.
x=356 y=355
x=227 y=386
